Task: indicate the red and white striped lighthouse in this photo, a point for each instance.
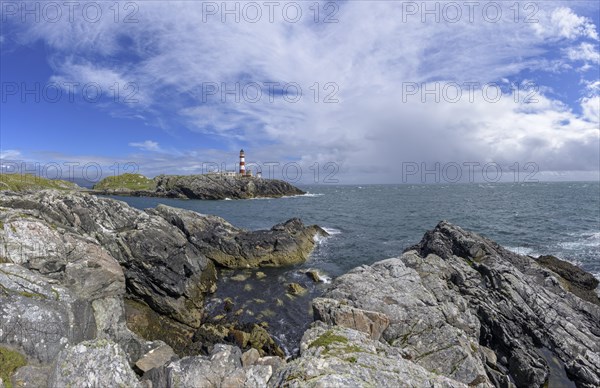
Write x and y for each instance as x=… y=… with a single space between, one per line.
x=242 y=163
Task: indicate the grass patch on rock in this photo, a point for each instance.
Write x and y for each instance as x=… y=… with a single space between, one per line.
x=328 y=338
x=10 y=361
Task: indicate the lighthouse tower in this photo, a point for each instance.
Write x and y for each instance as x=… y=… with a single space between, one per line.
x=242 y=163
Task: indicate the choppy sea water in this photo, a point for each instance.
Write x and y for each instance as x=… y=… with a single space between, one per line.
x=374 y=222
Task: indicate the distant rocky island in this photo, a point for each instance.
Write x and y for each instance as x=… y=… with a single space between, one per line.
x=95 y=292
x=203 y=186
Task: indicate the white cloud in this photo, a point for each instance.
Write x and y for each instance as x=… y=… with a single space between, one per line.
x=591 y=109
x=147 y=145
x=587 y=52
x=562 y=22
x=175 y=53
x=592 y=87
x=10 y=154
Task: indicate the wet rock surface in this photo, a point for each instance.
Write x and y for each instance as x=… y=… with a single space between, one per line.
x=576 y=280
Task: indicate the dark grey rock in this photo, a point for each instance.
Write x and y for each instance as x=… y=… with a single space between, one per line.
x=206 y=186
x=212 y=186
x=85 y=238
x=576 y=280
x=284 y=244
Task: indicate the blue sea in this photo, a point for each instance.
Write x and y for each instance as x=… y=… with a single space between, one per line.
x=373 y=222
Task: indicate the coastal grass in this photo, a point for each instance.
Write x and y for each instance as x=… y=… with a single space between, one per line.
x=10 y=361
x=23 y=182
x=328 y=338
x=337 y=346
x=126 y=182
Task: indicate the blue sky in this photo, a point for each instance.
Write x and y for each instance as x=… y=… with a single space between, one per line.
x=169 y=62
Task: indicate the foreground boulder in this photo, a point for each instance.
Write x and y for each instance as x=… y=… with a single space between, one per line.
x=222 y=368
x=39 y=317
x=341 y=357
x=205 y=186
x=461 y=306
x=98 y=363
x=284 y=244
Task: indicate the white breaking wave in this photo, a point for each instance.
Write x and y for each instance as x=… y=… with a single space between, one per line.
x=299 y=195
x=531 y=252
x=318 y=238
x=523 y=251
x=324 y=279
x=584 y=240
x=332 y=231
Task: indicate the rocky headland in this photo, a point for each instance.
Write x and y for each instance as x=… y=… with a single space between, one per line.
x=204 y=186
x=96 y=293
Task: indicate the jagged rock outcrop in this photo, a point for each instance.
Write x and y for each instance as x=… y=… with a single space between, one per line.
x=205 y=186
x=436 y=331
x=284 y=244
x=81 y=240
x=212 y=186
x=524 y=309
x=461 y=306
x=335 y=356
